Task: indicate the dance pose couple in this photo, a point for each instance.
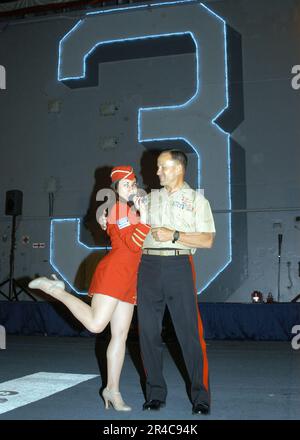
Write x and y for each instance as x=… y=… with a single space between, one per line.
x=151 y=267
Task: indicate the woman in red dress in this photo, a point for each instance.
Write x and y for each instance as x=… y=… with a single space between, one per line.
x=113 y=286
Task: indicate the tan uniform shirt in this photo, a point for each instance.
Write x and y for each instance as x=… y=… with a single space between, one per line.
x=185 y=210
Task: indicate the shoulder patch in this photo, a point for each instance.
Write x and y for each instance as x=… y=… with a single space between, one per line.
x=123 y=222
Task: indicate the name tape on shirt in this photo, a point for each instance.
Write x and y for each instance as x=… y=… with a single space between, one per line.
x=123 y=222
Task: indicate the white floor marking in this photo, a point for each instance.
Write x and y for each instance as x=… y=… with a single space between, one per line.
x=37 y=386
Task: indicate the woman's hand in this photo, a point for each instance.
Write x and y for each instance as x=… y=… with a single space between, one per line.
x=140 y=204
x=143 y=210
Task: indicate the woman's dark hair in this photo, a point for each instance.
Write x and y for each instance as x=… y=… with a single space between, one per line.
x=180 y=156
x=111 y=201
x=115 y=186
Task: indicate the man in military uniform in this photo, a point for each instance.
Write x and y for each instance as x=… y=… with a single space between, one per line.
x=181 y=221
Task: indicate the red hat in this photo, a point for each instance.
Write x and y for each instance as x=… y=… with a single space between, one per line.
x=122 y=172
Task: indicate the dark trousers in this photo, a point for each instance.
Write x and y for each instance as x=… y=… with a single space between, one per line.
x=169 y=281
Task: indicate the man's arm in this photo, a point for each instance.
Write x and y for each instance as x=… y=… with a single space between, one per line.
x=203 y=222
x=193 y=239
x=197 y=239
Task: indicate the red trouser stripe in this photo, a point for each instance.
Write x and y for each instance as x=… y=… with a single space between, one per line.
x=200 y=329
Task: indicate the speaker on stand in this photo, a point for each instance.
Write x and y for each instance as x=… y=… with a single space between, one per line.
x=13 y=208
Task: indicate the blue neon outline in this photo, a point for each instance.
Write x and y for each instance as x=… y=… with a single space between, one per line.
x=60 y=45
x=197 y=91
x=150 y=5
x=173 y=106
x=228 y=153
x=52 y=252
x=108 y=42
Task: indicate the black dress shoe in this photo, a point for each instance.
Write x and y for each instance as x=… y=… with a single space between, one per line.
x=201 y=408
x=153 y=405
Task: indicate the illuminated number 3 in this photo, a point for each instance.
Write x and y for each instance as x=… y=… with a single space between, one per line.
x=192 y=123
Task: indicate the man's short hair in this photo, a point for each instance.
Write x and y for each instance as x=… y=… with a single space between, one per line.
x=178 y=155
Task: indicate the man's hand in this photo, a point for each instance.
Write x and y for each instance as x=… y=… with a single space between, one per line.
x=102 y=220
x=162 y=234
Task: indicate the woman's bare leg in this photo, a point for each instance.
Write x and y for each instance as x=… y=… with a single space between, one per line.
x=119 y=324
x=95 y=317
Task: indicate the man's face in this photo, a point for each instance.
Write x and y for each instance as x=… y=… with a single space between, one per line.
x=167 y=169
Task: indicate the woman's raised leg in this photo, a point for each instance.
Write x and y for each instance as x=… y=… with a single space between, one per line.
x=95 y=317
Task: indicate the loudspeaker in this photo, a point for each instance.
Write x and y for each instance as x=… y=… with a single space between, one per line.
x=14 y=201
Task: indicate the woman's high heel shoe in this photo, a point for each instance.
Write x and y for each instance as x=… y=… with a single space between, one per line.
x=48 y=286
x=114 y=398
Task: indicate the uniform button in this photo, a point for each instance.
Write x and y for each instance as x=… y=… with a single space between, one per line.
x=170 y=297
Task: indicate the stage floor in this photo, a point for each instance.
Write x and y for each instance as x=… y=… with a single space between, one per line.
x=249 y=380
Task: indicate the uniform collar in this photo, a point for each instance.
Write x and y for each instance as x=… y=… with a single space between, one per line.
x=185 y=185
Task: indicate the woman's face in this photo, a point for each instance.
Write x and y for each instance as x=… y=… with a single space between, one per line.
x=127 y=188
